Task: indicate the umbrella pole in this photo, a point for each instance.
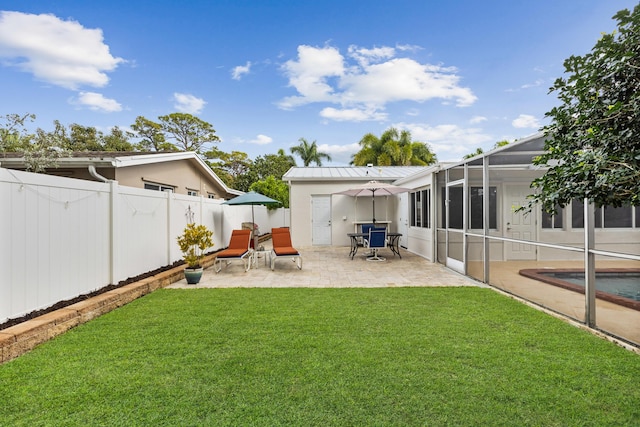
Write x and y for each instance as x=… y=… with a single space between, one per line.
x=373 y=199
x=253 y=231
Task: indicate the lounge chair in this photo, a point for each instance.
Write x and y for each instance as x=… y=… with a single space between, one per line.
x=238 y=249
x=377 y=240
x=282 y=248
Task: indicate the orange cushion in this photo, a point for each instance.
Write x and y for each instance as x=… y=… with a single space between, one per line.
x=287 y=250
x=231 y=253
x=240 y=239
x=280 y=237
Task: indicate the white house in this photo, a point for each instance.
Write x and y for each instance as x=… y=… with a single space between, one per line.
x=443 y=218
x=320 y=217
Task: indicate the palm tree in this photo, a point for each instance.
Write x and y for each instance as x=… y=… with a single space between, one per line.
x=309 y=153
x=393 y=148
x=286 y=157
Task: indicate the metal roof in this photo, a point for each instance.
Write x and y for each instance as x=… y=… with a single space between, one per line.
x=350 y=173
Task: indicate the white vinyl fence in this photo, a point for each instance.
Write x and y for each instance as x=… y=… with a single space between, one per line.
x=63 y=237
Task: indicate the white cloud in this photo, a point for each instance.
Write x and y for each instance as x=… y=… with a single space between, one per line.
x=340 y=154
x=526 y=121
x=374 y=78
x=63 y=53
x=352 y=115
x=477 y=119
x=365 y=56
x=449 y=142
x=240 y=70
x=188 y=103
x=537 y=83
x=97 y=102
x=262 y=140
x=310 y=73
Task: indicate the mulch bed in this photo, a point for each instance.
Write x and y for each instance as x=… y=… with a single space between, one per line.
x=66 y=303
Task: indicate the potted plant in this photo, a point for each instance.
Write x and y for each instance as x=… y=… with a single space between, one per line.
x=193 y=242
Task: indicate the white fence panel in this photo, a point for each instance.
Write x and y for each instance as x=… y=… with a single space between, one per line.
x=199 y=210
x=64 y=237
x=140 y=231
x=53 y=240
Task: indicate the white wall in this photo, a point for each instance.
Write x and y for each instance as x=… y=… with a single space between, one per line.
x=345 y=210
x=63 y=237
x=421 y=240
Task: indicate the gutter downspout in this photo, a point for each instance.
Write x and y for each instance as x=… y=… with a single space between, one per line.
x=94 y=173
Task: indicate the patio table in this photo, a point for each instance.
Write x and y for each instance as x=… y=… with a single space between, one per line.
x=393 y=242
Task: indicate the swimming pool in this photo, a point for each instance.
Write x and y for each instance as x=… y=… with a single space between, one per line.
x=618 y=285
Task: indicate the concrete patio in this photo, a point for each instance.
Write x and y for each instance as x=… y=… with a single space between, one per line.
x=331 y=267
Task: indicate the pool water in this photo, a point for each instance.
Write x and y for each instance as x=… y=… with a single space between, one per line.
x=625 y=284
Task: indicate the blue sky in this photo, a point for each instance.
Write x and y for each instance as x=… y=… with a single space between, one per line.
x=458 y=74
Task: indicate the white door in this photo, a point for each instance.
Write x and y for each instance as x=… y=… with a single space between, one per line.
x=403 y=218
x=321 y=220
x=517 y=225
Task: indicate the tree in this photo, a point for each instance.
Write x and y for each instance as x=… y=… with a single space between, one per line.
x=116 y=140
x=274 y=188
x=13 y=133
x=189 y=132
x=262 y=167
x=45 y=149
x=592 y=146
x=273 y=164
x=479 y=150
x=309 y=153
x=151 y=136
x=228 y=166
x=393 y=148
x=83 y=138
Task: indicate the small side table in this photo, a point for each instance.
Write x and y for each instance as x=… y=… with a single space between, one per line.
x=266 y=253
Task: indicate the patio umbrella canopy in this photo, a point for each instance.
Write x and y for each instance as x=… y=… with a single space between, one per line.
x=252 y=198
x=373 y=189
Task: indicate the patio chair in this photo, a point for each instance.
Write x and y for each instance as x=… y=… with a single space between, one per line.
x=377 y=241
x=373 y=227
x=238 y=249
x=282 y=248
x=365 y=230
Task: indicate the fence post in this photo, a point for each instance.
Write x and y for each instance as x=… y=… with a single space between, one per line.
x=113 y=231
x=168 y=228
x=589 y=264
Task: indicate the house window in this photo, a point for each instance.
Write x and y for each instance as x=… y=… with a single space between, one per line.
x=420 y=209
x=158 y=187
x=607 y=217
x=192 y=192
x=211 y=196
x=550 y=221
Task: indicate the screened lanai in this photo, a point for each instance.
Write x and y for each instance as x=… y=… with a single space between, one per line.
x=540 y=257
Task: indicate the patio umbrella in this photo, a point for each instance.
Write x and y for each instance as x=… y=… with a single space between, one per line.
x=252 y=198
x=373 y=189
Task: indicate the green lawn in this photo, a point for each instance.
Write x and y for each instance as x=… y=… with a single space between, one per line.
x=323 y=357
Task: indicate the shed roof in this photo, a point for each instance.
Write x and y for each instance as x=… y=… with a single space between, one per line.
x=350 y=173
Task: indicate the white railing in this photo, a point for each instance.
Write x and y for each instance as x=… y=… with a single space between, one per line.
x=63 y=237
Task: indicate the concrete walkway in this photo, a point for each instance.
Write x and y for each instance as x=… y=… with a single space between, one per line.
x=331 y=267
